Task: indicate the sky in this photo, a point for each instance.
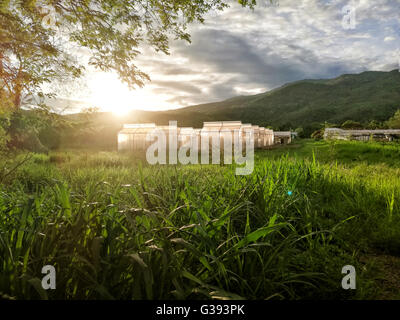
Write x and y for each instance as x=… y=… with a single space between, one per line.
x=244 y=52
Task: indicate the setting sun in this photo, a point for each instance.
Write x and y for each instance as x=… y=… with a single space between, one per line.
x=109 y=94
x=120 y=111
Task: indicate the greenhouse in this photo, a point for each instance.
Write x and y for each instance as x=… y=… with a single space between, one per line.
x=132 y=137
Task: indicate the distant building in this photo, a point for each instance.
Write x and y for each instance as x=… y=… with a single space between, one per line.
x=282 y=137
x=133 y=136
x=361 y=135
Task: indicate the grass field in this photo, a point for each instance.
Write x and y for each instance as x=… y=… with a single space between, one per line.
x=117 y=228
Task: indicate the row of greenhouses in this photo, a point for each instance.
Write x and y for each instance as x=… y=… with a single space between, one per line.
x=136 y=136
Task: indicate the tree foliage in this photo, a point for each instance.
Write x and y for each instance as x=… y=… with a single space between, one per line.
x=29 y=56
x=374 y=125
x=41 y=43
x=300 y=132
x=5 y=107
x=39 y=40
x=350 y=124
x=394 y=122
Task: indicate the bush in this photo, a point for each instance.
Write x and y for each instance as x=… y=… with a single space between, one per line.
x=4 y=138
x=28 y=141
x=350 y=124
x=300 y=132
x=23 y=131
x=50 y=138
x=56 y=158
x=394 y=122
x=318 y=135
x=4 y=125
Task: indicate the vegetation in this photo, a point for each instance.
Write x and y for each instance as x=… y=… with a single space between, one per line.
x=309 y=103
x=349 y=124
x=116 y=228
x=41 y=43
x=369 y=98
x=41 y=40
x=394 y=122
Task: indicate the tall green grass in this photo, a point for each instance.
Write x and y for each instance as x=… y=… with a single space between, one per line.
x=116 y=228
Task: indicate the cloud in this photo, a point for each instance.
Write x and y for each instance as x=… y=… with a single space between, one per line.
x=177 y=86
x=242 y=51
x=389 y=39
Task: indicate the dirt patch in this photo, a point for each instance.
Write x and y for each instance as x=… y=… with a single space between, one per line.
x=388 y=279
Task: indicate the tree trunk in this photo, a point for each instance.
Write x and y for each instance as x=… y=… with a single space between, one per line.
x=17 y=96
x=18 y=90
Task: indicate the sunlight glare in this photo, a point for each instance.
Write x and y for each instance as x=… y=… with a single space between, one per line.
x=110 y=94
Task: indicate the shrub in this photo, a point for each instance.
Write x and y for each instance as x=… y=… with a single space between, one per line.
x=318 y=135
x=300 y=132
x=394 y=122
x=50 y=138
x=350 y=124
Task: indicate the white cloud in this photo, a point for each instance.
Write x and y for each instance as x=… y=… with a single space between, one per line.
x=241 y=51
x=387 y=39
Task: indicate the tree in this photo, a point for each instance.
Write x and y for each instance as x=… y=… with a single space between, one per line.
x=318 y=134
x=373 y=125
x=29 y=56
x=310 y=128
x=5 y=106
x=394 y=122
x=39 y=42
x=39 y=39
x=300 y=132
x=350 y=124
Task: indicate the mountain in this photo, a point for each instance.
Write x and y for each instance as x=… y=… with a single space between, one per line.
x=363 y=97
x=371 y=95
